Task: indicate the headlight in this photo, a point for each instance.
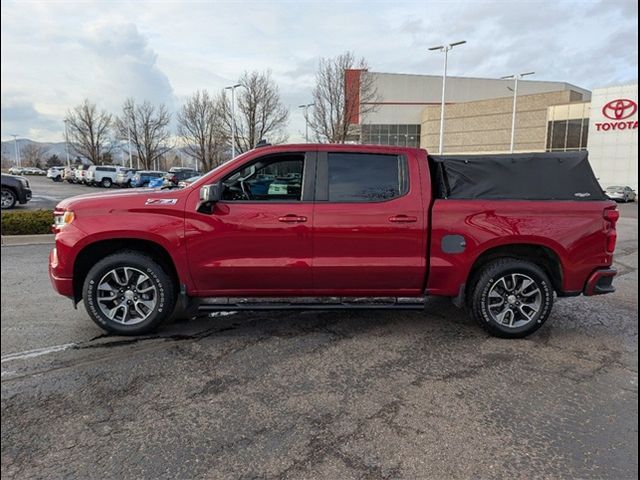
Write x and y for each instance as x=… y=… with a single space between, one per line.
x=60 y=219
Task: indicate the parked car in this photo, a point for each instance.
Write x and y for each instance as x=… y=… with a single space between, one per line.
x=176 y=174
x=15 y=189
x=16 y=170
x=142 y=177
x=102 y=175
x=621 y=194
x=124 y=176
x=80 y=173
x=69 y=174
x=33 y=171
x=55 y=173
x=500 y=234
x=188 y=181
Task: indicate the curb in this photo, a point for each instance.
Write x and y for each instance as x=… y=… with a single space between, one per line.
x=17 y=240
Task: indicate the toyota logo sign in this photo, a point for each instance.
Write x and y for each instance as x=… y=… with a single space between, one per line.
x=620 y=109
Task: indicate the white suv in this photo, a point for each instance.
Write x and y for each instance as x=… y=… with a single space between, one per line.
x=55 y=173
x=102 y=175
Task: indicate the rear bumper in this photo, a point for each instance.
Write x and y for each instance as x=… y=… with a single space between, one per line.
x=600 y=282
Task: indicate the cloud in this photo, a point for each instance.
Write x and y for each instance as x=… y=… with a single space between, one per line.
x=123 y=65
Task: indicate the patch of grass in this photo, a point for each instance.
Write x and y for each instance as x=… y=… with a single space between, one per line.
x=30 y=222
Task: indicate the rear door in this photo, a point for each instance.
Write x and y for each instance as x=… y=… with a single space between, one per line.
x=369 y=225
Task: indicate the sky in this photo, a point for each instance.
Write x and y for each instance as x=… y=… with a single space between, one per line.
x=56 y=53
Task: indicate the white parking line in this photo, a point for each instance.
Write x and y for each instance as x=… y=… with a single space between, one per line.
x=35 y=353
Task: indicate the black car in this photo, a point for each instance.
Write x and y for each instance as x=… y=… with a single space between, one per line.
x=15 y=189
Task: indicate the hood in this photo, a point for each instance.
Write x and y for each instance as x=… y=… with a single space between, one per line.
x=123 y=199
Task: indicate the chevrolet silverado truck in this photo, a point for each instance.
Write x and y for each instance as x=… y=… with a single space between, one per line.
x=343 y=226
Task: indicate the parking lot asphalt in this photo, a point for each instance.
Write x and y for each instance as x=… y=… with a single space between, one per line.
x=350 y=394
x=47 y=193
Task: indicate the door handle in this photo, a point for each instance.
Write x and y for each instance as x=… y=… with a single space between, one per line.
x=292 y=218
x=403 y=219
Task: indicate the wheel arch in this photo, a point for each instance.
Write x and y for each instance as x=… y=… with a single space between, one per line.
x=86 y=258
x=541 y=255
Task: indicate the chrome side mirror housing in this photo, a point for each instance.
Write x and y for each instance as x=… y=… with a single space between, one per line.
x=209 y=195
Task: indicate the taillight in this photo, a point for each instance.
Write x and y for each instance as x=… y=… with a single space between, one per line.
x=611 y=217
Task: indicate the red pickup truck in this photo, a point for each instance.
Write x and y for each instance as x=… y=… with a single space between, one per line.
x=347 y=226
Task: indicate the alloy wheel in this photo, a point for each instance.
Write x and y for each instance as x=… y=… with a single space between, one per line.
x=514 y=300
x=127 y=295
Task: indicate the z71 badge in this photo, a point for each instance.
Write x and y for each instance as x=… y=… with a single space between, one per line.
x=161 y=201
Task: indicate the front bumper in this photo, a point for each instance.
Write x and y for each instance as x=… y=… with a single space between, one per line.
x=62 y=285
x=600 y=282
x=24 y=195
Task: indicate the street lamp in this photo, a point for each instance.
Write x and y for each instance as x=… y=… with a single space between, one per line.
x=445 y=49
x=306 y=120
x=15 y=145
x=66 y=142
x=515 y=101
x=233 y=117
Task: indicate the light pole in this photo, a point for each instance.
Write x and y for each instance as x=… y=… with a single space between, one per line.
x=445 y=49
x=515 y=102
x=66 y=142
x=306 y=120
x=15 y=145
x=129 y=111
x=233 y=117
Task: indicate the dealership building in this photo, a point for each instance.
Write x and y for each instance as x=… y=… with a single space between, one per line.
x=551 y=116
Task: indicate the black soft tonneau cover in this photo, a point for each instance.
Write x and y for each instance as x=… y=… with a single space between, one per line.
x=522 y=176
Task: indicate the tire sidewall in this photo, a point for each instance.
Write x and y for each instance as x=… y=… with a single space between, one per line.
x=486 y=283
x=106 y=183
x=160 y=279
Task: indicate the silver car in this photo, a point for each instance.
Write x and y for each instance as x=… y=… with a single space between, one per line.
x=621 y=194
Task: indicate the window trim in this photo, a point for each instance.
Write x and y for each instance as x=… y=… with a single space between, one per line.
x=322 y=178
x=308 y=179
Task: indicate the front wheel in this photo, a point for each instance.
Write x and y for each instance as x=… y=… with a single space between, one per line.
x=128 y=293
x=106 y=182
x=512 y=298
x=9 y=199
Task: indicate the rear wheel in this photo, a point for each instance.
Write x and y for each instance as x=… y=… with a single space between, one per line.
x=128 y=293
x=512 y=298
x=9 y=199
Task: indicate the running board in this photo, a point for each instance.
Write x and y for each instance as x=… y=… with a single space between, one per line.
x=219 y=304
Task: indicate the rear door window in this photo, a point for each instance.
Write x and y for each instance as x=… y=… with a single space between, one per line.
x=356 y=177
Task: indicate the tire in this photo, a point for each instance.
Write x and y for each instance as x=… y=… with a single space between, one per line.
x=106 y=182
x=508 y=312
x=150 y=301
x=9 y=199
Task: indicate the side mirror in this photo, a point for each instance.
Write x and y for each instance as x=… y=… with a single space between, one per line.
x=209 y=194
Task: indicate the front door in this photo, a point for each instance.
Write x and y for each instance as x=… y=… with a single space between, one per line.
x=257 y=240
x=369 y=225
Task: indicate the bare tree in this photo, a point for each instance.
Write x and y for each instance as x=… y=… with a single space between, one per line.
x=32 y=154
x=201 y=127
x=259 y=113
x=339 y=100
x=88 y=131
x=148 y=126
